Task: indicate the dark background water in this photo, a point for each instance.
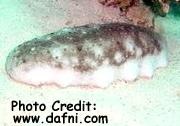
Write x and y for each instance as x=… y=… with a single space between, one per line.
x=175 y=9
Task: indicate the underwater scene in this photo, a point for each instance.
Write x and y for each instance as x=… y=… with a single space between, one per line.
x=90 y=62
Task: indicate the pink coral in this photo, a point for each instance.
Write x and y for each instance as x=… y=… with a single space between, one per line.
x=133 y=10
x=140 y=15
x=123 y=4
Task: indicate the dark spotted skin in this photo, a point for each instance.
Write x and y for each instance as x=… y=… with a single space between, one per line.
x=110 y=37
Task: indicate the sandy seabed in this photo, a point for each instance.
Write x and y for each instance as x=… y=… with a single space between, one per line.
x=153 y=102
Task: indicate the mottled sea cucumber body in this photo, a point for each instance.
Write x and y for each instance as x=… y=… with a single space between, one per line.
x=95 y=55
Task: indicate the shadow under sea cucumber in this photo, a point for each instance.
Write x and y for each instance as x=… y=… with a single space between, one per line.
x=95 y=55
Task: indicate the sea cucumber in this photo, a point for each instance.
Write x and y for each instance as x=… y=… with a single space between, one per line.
x=94 y=55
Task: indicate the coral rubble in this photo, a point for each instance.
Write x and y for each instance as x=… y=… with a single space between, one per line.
x=160 y=7
x=122 y=4
x=141 y=15
x=133 y=10
x=141 y=12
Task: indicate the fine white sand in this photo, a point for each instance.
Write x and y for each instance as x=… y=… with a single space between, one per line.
x=146 y=102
